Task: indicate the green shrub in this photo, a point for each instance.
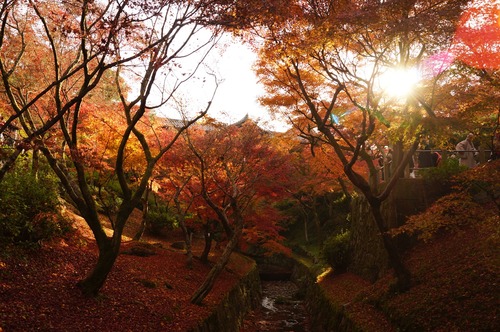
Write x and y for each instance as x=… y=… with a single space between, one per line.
x=158 y=220
x=337 y=251
x=30 y=206
x=444 y=172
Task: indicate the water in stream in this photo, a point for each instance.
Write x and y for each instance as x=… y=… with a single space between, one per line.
x=280 y=310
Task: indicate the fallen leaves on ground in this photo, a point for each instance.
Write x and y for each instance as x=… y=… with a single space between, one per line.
x=455 y=286
x=38 y=289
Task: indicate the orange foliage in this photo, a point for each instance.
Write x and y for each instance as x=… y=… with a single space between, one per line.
x=475 y=200
x=446 y=214
x=477 y=38
x=316 y=168
x=241 y=163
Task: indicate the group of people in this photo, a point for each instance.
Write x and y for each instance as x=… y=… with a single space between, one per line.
x=427 y=158
x=465 y=151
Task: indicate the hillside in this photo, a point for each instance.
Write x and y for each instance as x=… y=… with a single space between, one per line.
x=38 y=287
x=454 y=265
x=455 y=287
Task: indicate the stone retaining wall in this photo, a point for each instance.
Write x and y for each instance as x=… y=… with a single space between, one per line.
x=324 y=314
x=229 y=315
x=410 y=196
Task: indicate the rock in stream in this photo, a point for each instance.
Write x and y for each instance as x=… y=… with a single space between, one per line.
x=281 y=310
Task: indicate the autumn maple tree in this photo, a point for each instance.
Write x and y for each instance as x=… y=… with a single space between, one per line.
x=81 y=58
x=326 y=66
x=466 y=70
x=64 y=65
x=35 y=65
x=316 y=174
x=229 y=177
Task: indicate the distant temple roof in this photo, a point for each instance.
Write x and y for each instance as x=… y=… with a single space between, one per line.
x=179 y=123
x=176 y=123
x=240 y=122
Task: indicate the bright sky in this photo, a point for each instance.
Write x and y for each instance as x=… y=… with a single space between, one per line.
x=238 y=92
x=238 y=88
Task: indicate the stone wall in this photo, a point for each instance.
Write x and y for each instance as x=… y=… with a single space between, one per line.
x=409 y=197
x=369 y=258
x=229 y=315
x=323 y=313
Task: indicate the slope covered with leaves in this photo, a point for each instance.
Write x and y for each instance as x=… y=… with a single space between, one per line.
x=143 y=293
x=454 y=266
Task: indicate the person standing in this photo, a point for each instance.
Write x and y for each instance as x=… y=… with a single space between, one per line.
x=425 y=156
x=467 y=151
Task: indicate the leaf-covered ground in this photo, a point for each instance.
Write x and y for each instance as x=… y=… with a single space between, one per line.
x=38 y=289
x=455 y=287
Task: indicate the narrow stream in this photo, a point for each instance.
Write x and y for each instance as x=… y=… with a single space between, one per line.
x=281 y=310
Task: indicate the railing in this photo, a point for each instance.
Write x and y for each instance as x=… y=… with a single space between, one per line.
x=481 y=157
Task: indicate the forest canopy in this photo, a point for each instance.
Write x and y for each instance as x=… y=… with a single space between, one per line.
x=364 y=84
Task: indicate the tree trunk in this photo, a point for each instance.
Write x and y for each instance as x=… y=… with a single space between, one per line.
x=403 y=275
x=306 y=233
x=9 y=162
x=187 y=239
x=306 y=218
x=208 y=243
x=317 y=223
x=35 y=163
x=109 y=249
x=108 y=252
x=181 y=217
x=145 y=210
x=140 y=231
x=207 y=285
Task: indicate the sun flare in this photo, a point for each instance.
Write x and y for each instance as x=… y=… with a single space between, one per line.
x=399 y=83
